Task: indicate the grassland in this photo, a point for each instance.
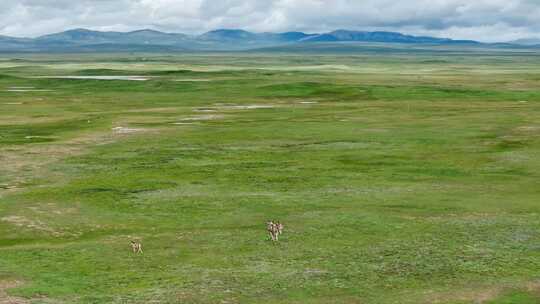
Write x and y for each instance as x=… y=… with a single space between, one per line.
x=400 y=179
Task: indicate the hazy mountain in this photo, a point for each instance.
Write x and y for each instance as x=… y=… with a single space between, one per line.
x=6 y=40
x=78 y=36
x=14 y=44
x=295 y=36
x=529 y=41
x=83 y=40
x=224 y=35
x=361 y=47
x=244 y=36
x=88 y=37
x=389 y=37
x=13 y=39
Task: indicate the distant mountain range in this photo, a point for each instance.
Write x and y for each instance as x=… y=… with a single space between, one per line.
x=83 y=40
x=531 y=41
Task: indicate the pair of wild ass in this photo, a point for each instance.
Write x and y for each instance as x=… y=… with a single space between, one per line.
x=275 y=229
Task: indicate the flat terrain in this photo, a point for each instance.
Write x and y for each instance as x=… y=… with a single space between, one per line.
x=399 y=178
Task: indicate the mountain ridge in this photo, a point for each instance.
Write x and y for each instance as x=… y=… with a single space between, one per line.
x=81 y=39
x=527 y=42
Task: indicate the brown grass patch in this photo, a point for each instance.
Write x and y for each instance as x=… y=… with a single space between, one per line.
x=21 y=163
x=470 y=296
x=32 y=224
x=481 y=295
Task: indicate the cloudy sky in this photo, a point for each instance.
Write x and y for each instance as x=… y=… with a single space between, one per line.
x=484 y=20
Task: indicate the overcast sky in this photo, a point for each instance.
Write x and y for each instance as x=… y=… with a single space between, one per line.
x=484 y=20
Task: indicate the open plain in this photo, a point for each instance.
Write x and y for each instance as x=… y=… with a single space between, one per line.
x=404 y=178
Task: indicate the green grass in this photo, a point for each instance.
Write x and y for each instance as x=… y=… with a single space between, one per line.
x=400 y=179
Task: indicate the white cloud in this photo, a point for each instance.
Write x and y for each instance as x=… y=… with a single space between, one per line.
x=485 y=20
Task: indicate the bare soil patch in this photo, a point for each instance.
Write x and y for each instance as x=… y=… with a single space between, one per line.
x=129 y=78
x=528 y=129
x=33 y=224
x=124 y=130
x=182 y=123
x=19 y=164
x=468 y=296
x=202 y=118
x=482 y=295
x=26 y=89
x=7 y=299
x=249 y=107
x=205 y=110
x=193 y=80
